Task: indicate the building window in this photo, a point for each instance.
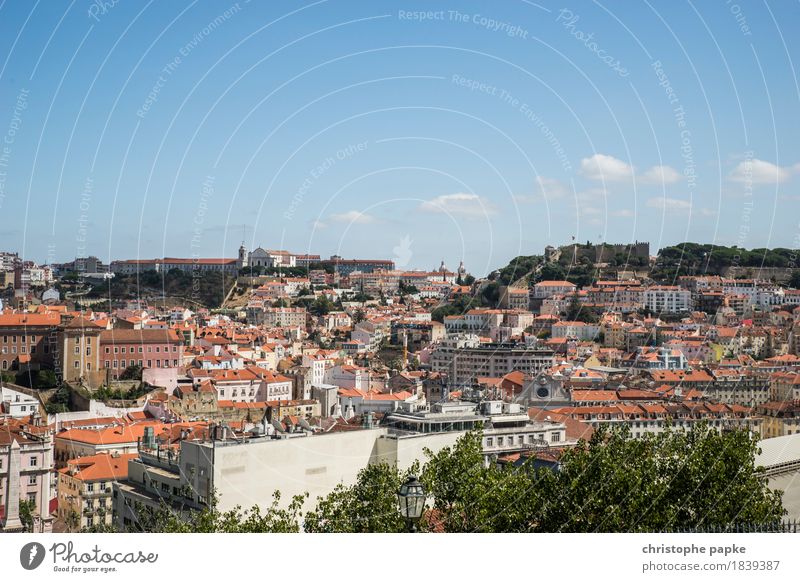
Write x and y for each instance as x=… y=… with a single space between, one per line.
x=555 y=437
x=34 y=462
x=32 y=480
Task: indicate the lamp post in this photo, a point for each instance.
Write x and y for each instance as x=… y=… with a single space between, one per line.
x=411 y=497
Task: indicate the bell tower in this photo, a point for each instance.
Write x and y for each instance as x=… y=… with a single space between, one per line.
x=242 y=262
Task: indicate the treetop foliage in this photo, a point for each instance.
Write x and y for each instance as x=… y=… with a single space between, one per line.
x=677 y=479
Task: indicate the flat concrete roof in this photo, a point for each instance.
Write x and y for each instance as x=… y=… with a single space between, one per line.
x=779 y=450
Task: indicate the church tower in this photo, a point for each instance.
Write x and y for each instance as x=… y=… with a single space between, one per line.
x=242 y=262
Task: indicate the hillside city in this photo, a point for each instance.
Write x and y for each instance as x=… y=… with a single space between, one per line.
x=183 y=382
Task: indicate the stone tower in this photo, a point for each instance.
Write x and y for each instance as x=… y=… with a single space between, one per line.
x=242 y=262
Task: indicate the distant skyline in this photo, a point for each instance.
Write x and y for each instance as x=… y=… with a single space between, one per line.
x=412 y=131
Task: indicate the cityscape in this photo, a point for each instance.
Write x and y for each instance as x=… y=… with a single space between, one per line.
x=402 y=267
x=128 y=388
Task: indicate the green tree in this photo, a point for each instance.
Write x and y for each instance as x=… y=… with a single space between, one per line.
x=675 y=479
x=552 y=272
x=27 y=510
x=132 y=372
x=368 y=506
x=322 y=306
x=274 y=519
x=794 y=281
x=59 y=401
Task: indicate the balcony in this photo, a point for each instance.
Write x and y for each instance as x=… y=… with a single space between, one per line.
x=97 y=493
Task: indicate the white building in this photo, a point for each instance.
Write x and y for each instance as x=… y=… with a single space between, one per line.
x=265 y=258
x=667 y=299
x=464 y=358
x=348 y=377
x=575 y=330
x=17 y=404
x=545 y=289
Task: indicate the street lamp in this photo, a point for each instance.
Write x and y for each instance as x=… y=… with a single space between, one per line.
x=411 y=497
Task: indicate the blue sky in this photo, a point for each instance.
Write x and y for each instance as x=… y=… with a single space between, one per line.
x=419 y=131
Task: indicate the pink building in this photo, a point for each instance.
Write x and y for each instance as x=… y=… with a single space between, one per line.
x=148 y=348
x=26 y=464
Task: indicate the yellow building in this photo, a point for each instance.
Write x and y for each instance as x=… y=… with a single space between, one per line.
x=85 y=489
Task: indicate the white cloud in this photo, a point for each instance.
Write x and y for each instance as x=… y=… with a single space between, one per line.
x=676 y=206
x=544 y=189
x=551 y=188
x=603 y=167
x=669 y=204
x=760 y=172
x=591 y=195
x=461 y=203
x=353 y=217
x=624 y=213
x=611 y=169
x=661 y=175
